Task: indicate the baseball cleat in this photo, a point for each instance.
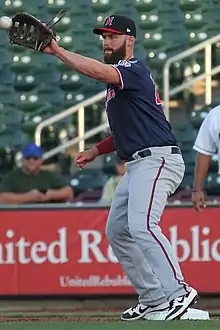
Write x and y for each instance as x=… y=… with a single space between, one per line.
x=179 y=306
x=137 y=312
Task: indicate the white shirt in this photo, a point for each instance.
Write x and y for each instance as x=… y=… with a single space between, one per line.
x=208 y=138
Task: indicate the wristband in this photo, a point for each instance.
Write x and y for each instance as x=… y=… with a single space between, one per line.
x=196 y=190
x=106 y=146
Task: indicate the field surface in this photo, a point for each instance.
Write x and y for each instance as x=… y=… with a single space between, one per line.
x=90 y=315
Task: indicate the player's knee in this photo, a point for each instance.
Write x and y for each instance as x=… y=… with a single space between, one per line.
x=138 y=231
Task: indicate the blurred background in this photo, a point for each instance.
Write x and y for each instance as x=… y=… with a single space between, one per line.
x=36 y=88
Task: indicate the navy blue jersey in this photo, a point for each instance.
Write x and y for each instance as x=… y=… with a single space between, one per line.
x=134 y=111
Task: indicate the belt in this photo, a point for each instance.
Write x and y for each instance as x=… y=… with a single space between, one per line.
x=147 y=153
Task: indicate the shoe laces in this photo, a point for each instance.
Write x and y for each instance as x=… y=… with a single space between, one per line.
x=174 y=303
x=135 y=308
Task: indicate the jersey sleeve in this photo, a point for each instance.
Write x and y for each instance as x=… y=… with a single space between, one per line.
x=130 y=74
x=206 y=140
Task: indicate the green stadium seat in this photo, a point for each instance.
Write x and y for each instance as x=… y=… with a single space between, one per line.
x=185 y=137
x=30 y=80
x=93 y=87
x=31 y=119
x=6 y=160
x=102 y=6
x=189 y=159
x=41 y=61
x=145 y=6
x=13 y=139
x=188 y=5
x=212 y=184
x=157 y=20
x=64 y=24
x=16 y=49
x=23 y=62
x=48 y=76
x=109 y=164
x=140 y=52
x=156 y=60
x=25 y=81
x=187 y=182
x=72 y=98
x=197 y=117
x=29 y=61
x=213 y=168
x=8 y=95
x=54 y=96
x=165 y=39
x=194 y=20
x=3 y=38
x=11 y=7
x=5 y=58
x=29 y=101
x=71 y=80
x=66 y=40
x=54 y=6
x=40 y=97
x=88 y=179
x=10 y=119
x=6 y=75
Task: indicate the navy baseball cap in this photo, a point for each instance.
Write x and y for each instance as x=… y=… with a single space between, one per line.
x=32 y=150
x=118 y=24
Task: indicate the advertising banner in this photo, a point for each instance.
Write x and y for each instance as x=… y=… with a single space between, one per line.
x=65 y=251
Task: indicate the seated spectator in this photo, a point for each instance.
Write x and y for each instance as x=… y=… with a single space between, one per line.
x=111 y=184
x=31 y=184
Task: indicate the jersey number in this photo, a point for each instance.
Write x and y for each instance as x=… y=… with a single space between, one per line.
x=157 y=96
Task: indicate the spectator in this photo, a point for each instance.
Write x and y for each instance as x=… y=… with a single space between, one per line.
x=31 y=184
x=111 y=184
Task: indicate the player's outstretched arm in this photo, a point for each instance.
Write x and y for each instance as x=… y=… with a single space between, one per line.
x=85 y=65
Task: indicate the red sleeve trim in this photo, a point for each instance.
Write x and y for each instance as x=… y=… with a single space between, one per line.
x=120 y=77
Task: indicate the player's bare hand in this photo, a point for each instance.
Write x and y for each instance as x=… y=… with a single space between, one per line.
x=36 y=196
x=53 y=48
x=85 y=157
x=198 y=200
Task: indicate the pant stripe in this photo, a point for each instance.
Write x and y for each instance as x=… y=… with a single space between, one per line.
x=151 y=232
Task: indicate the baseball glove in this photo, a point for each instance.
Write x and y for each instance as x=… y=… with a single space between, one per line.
x=28 y=31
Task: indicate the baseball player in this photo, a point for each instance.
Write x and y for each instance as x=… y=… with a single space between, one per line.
x=207 y=144
x=142 y=137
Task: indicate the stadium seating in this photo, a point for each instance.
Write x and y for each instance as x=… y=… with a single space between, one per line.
x=35 y=86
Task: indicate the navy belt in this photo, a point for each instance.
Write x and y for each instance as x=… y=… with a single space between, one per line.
x=147 y=153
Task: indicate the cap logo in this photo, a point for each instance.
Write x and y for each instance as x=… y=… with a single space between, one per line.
x=109 y=20
x=128 y=30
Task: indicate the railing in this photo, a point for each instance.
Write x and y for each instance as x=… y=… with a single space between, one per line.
x=80 y=108
x=82 y=136
x=207 y=75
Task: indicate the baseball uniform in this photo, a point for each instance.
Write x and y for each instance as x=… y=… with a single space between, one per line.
x=208 y=138
x=154 y=170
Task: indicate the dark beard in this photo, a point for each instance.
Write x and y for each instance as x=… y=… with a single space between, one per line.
x=116 y=55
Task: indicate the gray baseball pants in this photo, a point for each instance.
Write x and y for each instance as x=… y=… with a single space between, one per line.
x=133 y=230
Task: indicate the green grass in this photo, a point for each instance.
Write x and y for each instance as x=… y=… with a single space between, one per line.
x=180 y=325
x=88 y=321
